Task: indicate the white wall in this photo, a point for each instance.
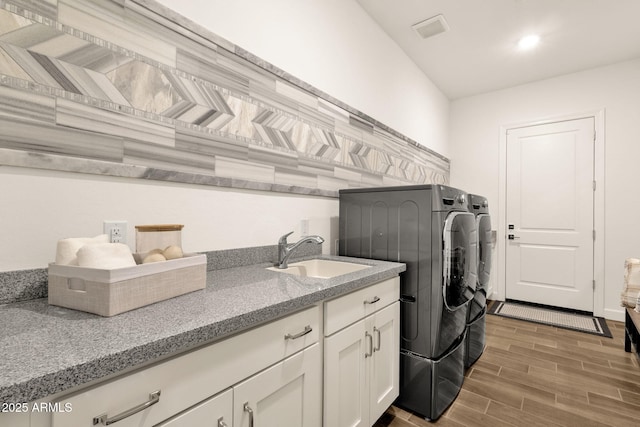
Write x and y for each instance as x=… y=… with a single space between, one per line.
x=475 y=149
x=336 y=47
x=331 y=44
x=40 y=207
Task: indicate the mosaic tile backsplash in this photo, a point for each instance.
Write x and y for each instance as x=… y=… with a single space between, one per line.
x=132 y=89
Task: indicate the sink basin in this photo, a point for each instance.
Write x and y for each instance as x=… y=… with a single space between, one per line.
x=320 y=268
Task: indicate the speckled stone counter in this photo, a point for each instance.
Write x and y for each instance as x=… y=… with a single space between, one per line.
x=47 y=350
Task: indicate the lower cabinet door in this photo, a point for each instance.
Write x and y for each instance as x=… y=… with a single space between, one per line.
x=346 y=394
x=214 y=412
x=385 y=363
x=286 y=394
x=362 y=370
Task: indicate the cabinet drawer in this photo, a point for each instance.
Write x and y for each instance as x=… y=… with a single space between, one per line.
x=217 y=411
x=192 y=377
x=350 y=308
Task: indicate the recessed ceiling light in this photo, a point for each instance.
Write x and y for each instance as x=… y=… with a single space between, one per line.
x=528 y=42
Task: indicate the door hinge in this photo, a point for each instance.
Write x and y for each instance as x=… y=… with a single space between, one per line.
x=594 y=234
x=594 y=185
x=594 y=284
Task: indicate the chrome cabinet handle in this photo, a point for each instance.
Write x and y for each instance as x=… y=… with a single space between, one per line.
x=372 y=301
x=248 y=409
x=377 y=332
x=104 y=419
x=307 y=329
x=370 y=339
x=221 y=422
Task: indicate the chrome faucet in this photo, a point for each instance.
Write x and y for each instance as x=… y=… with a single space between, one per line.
x=285 y=250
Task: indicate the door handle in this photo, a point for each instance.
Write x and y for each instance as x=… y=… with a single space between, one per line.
x=307 y=329
x=377 y=332
x=104 y=419
x=368 y=337
x=248 y=410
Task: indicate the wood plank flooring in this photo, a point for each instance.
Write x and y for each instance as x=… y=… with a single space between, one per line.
x=536 y=375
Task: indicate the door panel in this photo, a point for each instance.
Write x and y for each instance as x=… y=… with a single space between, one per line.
x=287 y=394
x=385 y=367
x=345 y=377
x=549 y=257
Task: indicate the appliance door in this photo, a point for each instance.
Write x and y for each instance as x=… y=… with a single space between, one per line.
x=483 y=223
x=460 y=262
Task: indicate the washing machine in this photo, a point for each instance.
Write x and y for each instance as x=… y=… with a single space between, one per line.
x=429 y=228
x=476 y=315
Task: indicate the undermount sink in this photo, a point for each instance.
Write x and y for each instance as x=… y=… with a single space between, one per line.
x=320 y=268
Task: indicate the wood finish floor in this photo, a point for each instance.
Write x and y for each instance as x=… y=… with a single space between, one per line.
x=536 y=375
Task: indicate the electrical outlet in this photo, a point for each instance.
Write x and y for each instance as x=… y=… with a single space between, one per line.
x=116 y=230
x=304 y=228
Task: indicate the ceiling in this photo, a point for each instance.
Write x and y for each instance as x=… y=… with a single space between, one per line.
x=479 y=52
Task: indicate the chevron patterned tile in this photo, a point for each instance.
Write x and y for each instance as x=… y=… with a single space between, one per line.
x=243 y=114
x=275 y=129
x=106 y=68
x=30 y=65
x=10 y=67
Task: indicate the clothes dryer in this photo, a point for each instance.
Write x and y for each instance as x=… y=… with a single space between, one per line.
x=428 y=228
x=476 y=318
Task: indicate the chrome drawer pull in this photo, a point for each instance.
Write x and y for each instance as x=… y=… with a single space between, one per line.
x=221 y=422
x=370 y=339
x=105 y=420
x=248 y=409
x=373 y=301
x=307 y=329
x=377 y=332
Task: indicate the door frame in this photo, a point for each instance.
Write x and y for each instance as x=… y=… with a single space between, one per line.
x=598 y=202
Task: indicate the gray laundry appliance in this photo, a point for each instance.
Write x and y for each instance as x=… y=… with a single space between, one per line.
x=476 y=318
x=428 y=228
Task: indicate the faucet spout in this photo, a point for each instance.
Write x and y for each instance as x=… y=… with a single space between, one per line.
x=285 y=250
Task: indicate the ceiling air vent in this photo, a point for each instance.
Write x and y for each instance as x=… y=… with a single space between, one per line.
x=430 y=27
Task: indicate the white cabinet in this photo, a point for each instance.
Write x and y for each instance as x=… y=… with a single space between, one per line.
x=191 y=378
x=287 y=394
x=361 y=360
x=214 y=412
x=271 y=374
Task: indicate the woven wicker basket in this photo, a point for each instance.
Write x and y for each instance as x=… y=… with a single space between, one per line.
x=111 y=292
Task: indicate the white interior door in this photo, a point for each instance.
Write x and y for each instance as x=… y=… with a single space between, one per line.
x=549 y=204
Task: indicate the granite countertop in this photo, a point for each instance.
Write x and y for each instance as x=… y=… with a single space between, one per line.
x=47 y=349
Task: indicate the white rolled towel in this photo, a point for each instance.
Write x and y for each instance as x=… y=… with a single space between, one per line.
x=67 y=248
x=105 y=256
